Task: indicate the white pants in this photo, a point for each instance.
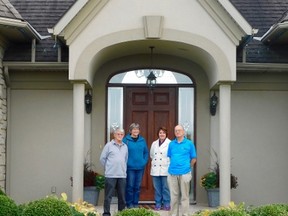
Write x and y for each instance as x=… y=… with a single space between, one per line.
x=178 y=188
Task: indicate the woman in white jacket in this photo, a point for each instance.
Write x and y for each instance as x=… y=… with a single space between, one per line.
x=159 y=170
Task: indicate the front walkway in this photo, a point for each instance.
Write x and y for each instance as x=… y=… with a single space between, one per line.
x=193 y=208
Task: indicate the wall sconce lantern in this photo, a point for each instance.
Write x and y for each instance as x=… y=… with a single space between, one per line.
x=151 y=78
x=213 y=104
x=88 y=102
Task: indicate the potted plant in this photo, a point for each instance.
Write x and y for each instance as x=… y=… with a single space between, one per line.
x=93 y=184
x=211 y=182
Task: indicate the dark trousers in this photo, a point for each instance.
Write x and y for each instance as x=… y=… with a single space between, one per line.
x=110 y=185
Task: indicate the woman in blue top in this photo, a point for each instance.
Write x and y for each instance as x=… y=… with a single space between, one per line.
x=137 y=159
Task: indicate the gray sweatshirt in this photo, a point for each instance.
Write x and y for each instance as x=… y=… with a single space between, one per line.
x=114 y=159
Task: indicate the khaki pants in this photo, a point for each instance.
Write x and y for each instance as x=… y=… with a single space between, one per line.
x=178 y=188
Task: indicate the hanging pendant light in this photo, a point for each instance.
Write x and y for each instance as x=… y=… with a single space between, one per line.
x=151 y=78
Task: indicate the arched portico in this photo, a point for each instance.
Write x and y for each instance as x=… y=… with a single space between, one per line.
x=218 y=64
x=131 y=52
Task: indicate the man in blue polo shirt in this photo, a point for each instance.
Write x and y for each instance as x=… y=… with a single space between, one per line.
x=182 y=154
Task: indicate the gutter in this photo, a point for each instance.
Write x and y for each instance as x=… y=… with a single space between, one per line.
x=262 y=67
x=24 y=27
x=42 y=66
x=273 y=33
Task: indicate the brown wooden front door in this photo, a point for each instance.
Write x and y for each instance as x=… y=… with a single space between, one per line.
x=151 y=109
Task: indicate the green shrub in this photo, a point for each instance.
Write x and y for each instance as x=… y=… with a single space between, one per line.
x=80 y=208
x=21 y=208
x=204 y=212
x=49 y=206
x=270 y=210
x=228 y=212
x=76 y=213
x=91 y=214
x=137 y=212
x=239 y=210
x=7 y=206
x=2 y=192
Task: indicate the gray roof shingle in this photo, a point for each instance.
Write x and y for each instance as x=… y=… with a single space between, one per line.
x=261 y=15
x=7 y=10
x=43 y=14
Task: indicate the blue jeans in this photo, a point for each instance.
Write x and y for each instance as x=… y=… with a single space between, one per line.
x=161 y=189
x=134 y=180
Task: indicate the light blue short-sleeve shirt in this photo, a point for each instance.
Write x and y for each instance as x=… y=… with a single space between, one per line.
x=180 y=155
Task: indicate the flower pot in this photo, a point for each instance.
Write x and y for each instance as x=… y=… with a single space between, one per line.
x=91 y=195
x=213 y=197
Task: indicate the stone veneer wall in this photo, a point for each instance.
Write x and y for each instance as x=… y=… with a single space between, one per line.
x=3 y=123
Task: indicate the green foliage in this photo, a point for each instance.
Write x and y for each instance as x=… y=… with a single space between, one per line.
x=231 y=210
x=239 y=210
x=2 y=192
x=270 y=210
x=137 y=212
x=228 y=212
x=204 y=212
x=212 y=179
x=49 y=206
x=92 y=178
x=76 y=213
x=7 y=206
x=80 y=208
x=91 y=214
x=100 y=182
x=21 y=208
x=209 y=181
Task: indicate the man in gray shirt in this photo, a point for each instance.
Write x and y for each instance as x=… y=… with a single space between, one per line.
x=114 y=159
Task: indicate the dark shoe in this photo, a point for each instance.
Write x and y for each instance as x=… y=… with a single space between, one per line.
x=157 y=208
x=167 y=208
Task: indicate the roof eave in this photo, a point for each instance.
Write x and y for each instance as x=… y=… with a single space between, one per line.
x=275 y=32
x=228 y=18
x=68 y=16
x=22 y=26
x=238 y=18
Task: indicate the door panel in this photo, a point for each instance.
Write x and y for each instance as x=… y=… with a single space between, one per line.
x=151 y=109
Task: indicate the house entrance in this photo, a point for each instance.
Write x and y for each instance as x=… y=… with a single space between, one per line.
x=170 y=103
x=151 y=109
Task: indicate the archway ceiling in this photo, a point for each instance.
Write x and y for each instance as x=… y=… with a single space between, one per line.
x=177 y=49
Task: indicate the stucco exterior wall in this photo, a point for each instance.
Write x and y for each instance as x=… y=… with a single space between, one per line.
x=259 y=123
x=40 y=141
x=259 y=146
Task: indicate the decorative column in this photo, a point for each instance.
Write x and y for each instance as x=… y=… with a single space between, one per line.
x=78 y=140
x=225 y=139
